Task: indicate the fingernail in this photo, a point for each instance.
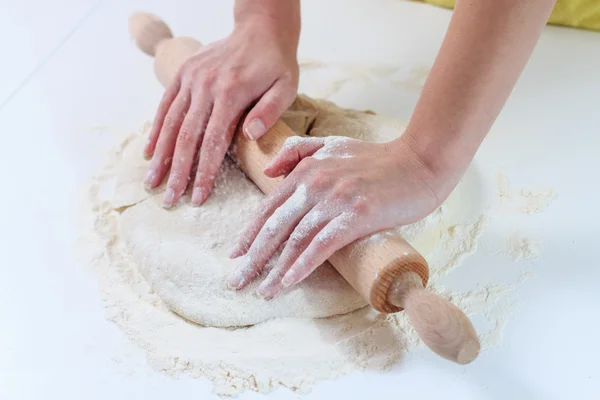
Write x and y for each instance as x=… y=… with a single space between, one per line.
x=197 y=197
x=148 y=181
x=255 y=129
x=263 y=293
x=234 y=281
x=234 y=253
x=267 y=291
x=287 y=280
x=290 y=278
x=169 y=198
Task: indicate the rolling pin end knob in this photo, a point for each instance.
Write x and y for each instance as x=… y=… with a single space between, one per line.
x=468 y=352
x=443 y=327
x=148 y=31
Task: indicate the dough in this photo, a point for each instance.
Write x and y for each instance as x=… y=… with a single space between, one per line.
x=182 y=252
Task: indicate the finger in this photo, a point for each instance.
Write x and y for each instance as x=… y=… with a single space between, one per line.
x=270 y=204
x=337 y=234
x=186 y=148
x=166 y=141
x=312 y=223
x=269 y=108
x=219 y=132
x=291 y=153
x=274 y=232
x=163 y=108
x=272 y=283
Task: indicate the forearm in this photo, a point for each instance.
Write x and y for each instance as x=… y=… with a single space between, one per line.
x=485 y=50
x=280 y=17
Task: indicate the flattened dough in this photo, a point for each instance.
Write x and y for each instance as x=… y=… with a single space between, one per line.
x=182 y=252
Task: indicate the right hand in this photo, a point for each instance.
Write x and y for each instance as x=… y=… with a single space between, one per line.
x=253 y=67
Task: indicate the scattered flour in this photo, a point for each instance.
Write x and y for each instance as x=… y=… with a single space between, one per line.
x=521 y=247
x=346 y=73
x=292 y=352
x=522 y=200
x=295 y=353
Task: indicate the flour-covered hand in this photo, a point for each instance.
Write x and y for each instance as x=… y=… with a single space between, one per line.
x=255 y=67
x=337 y=190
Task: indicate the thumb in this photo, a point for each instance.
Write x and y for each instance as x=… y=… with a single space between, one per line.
x=292 y=152
x=269 y=108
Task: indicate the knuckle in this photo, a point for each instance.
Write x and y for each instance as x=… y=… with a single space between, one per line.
x=209 y=75
x=361 y=206
x=205 y=79
x=346 y=188
x=175 y=181
x=287 y=77
x=166 y=161
x=295 y=240
x=234 y=75
x=232 y=87
x=205 y=84
x=291 y=144
x=293 y=141
x=169 y=122
x=324 y=238
x=200 y=181
x=185 y=138
x=265 y=209
x=340 y=192
x=267 y=232
x=290 y=77
x=188 y=65
x=319 y=179
x=212 y=140
x=271 y=107
x=231 y=93
x=306 y=164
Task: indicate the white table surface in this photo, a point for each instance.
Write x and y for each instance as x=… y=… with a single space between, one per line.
x=69 y=70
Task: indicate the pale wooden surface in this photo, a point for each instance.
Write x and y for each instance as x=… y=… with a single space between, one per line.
x=370 y=266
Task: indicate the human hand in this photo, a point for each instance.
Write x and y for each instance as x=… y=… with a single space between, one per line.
x=253 y=67
x=338 y=190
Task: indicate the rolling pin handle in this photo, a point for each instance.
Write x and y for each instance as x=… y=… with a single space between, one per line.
x=148 y=31
x=443 y=327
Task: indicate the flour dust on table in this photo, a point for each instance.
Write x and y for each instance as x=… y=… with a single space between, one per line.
x=163 y=275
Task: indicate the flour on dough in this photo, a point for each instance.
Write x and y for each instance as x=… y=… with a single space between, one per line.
x=183 y=253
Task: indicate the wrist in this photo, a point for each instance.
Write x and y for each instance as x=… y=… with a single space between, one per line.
x=440 y=165
x=280 y=19
x=263 y=30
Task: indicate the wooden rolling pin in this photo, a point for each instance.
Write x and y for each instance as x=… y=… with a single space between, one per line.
x=389 y=273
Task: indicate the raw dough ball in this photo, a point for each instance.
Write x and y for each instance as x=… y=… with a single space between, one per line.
x=182 y=252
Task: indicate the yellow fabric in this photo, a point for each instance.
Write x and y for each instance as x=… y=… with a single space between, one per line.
x=584 y=14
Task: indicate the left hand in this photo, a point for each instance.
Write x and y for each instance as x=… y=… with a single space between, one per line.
x=203 y=105
x=338 y=190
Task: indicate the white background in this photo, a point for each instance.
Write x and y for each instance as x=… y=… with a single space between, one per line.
x=68 y=71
